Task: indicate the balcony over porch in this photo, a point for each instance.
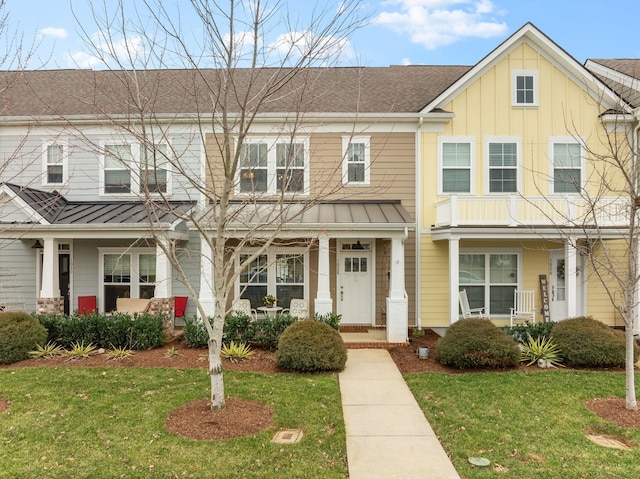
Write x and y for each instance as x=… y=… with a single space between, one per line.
x=512 y=211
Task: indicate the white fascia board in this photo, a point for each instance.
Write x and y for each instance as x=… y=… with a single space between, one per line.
x=28 y=211
x=556 y=55
x=613 y=75
x=92 y=231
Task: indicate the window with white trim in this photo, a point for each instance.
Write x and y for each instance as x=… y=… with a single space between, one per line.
x=525 y=88
x=118 y=161
x=490 y=279
x=502 y=161
x=128 y=168
x=356 y=160
x=55 y=158
x=281 y=273
x=567 y=165
x=274 y=165
x=154 y=171
x=127 y=273
x=456 y=164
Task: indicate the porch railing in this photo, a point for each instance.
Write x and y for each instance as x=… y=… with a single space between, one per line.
x=530 y=211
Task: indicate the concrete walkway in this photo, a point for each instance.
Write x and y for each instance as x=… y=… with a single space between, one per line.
x=388 y=436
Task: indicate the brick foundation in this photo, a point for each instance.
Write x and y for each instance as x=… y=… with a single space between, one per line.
x=163 y=305
x=50 y=305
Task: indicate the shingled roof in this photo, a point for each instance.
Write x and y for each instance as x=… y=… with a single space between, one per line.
x=394 y=89
x=622 y=75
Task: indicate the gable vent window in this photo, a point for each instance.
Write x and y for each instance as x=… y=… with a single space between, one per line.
x=525 y=88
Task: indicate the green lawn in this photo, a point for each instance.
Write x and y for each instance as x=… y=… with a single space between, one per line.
x=529 y=424
x=109 y=422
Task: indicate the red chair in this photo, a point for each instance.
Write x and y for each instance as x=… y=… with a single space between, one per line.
x=86 y=305
x=180 y=305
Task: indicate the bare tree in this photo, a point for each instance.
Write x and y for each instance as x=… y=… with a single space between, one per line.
x=600 y=221
x=232 y=77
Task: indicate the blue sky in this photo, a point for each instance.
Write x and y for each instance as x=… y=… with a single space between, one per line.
x=437 y=32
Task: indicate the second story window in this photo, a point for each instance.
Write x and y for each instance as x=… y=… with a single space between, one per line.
x=356 y=160
x=273 y=165
x=55 y=163
x=525 y=88
x=567 y=166
x=118 y=162
x=153 y=169
x=503 y=162
x=456 y=165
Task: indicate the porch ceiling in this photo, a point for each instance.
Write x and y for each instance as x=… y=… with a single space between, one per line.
x=522 y=233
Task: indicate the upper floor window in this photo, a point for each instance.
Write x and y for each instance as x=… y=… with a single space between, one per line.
x=525 y=87
x=456 y=158
x=273 y=165
x=154 y=169
x=55 y=163
x=502 y=161
x=134 y=168
x=356 y=154
x=567 y=165
x=118 y=161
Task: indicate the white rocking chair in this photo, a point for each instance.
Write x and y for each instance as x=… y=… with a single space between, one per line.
x=467 y=312
x=524 y=308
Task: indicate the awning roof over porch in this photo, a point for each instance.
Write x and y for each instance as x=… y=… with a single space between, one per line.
x=52 y=208
x=323 y=216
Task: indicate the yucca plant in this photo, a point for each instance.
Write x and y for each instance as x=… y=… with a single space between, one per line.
x=236 y=351
x=49 y=350
x=80 y=350
x=119 y=353
x=542 y=350
x=172 y=352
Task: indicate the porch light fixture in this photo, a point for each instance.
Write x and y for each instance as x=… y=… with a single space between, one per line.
x=37 y=245
x=358 y=245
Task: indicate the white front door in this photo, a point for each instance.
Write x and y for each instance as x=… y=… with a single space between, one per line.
x=355 y=282
x=557 y=289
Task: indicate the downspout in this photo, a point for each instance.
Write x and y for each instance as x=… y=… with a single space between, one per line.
x=418 y=200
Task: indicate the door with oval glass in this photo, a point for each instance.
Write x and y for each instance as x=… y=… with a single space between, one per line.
x=355 y=282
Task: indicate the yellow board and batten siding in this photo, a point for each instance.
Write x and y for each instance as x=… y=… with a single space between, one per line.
x=484 y=109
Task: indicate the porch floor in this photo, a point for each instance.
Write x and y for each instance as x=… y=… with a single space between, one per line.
x=366 y=338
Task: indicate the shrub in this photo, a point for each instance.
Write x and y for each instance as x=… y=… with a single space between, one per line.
x=522 y=332
x=268 y=330
x=477 y=343
x=236 y=351
x=19 y=333
x=331 y=319
x=311 y=346
x=238 y=328
x=143 y=331
x=586 y=342
x=195 y=334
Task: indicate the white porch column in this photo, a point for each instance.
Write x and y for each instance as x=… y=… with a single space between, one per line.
x=50 y=278
x=571 y=283
x=323 y=301
x=397 y=302
x=206 y=295
x=454 y=266
x=163 y=273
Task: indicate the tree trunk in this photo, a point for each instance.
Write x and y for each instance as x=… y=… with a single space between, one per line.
x=215 y=372
x=630 y=369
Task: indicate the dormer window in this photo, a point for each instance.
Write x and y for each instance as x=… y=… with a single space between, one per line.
x=525 y=88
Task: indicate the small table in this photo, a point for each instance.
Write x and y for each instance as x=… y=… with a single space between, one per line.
x=270 y=311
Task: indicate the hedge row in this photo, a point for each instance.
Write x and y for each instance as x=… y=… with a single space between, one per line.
x=142 y=331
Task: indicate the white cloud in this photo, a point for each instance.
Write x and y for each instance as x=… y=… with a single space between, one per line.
x=54 y=32
x=292 y=46
x=435 y=23
x=108 y=51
